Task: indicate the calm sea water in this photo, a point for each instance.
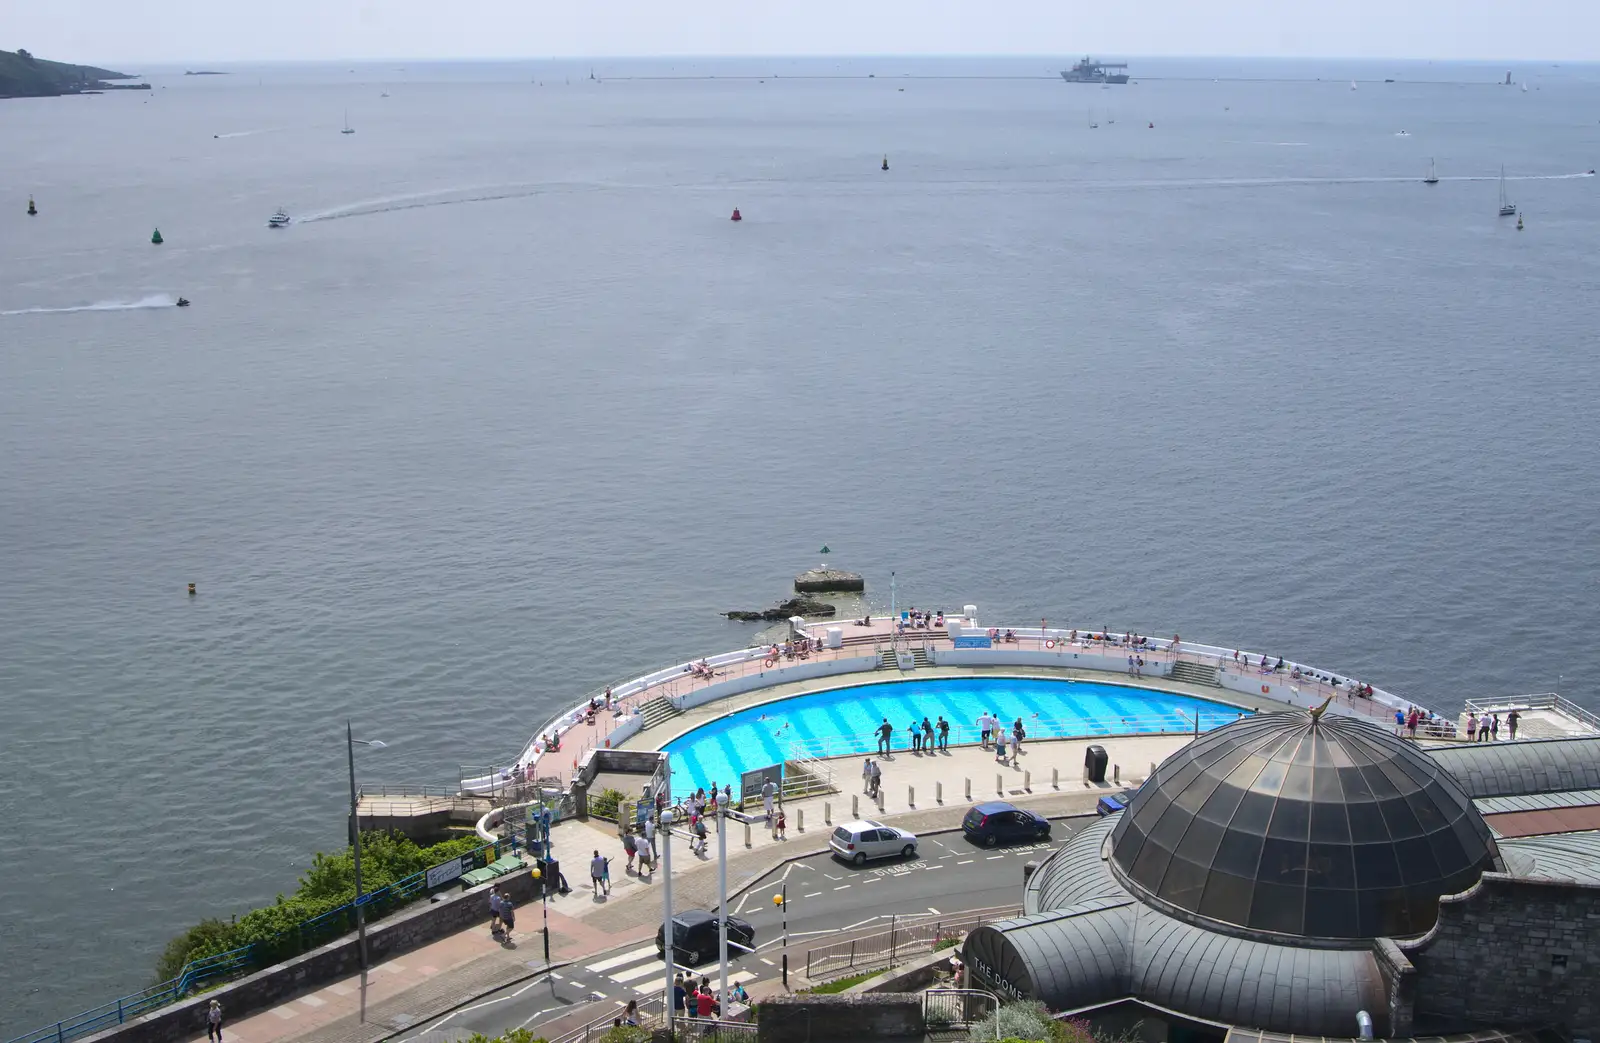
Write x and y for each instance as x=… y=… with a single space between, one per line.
x=513 y=410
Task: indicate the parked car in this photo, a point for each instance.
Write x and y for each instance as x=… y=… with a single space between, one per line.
x=695 y=937
x=1115 y=802
x=996 y=822
x=858 y=841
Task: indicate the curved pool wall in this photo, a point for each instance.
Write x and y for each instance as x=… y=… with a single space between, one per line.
x=842 y=721
x=745 y=670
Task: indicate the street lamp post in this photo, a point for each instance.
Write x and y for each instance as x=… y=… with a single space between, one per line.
x=722 y=899
x=355 y=835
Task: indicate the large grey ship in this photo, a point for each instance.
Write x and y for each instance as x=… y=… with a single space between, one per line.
x=1091 y=71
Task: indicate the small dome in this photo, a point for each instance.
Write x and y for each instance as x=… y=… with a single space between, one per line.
x=1318 y=826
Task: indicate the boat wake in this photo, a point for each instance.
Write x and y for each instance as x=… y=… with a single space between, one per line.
x=438 y=197
x=160 y=300
x=246 y=133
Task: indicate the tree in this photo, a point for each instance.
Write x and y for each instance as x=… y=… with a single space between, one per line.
x=24 y=55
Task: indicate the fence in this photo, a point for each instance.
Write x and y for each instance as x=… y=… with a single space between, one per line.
x=952 y=1008
x=649 y=1018
x=907 y=936
x=304 y=936
x=705 y=1030
x=1538 y=701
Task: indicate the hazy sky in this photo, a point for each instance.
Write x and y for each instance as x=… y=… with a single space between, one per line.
x=131 y=31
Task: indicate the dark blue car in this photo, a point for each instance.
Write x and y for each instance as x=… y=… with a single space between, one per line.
x=997 y=822
x=1115 y=802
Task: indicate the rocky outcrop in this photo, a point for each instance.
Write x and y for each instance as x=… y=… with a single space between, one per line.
x=824 y=580
x=792 y=607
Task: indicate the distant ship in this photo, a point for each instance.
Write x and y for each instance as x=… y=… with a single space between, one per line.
x=1091 y=71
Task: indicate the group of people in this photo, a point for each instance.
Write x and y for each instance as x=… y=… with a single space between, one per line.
x=702 y=669
x=1008 y=638
x=991 y=727
x=1487 y=727
x=912 y=619
x=696 y=999
x=1415 y=719
x=502 y=914
x=795 y=648
x=1106 y=637
x=871 y=778
x=923 y=737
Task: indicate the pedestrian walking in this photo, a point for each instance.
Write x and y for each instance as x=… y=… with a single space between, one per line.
x=944 y=734
x=214 y=1022
x=597 y=869
x=605 y=880
x=508 y=916
x=866 y=776
x=877 y=778
x=700 y=835
x=494 y=910
x=1017 y=735
x=779 y=825
x=767 y=792
x=1000 y=746
x=885 y=730
x=1511 y=723
x=650 y=836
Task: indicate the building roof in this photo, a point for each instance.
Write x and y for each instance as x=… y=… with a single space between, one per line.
x=1504 y=769
x=1570 y=856
x=1302 y=824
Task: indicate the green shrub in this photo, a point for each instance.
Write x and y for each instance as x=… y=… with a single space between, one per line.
x=626 y=1034
x=840 y=984
x=605 y=803
x=1026 y=1020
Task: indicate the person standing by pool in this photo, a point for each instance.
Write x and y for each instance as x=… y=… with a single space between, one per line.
x=1511 y=723
x=866 y=776
x=1000 y=746
x=916 y=737
x=767 y=790
x=1017 y=735
x=884 y=731
x=983 y=726
x=927 y=736
x=944 y=733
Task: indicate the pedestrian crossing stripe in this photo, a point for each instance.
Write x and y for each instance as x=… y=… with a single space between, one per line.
x=737 y=978
x=623 y=960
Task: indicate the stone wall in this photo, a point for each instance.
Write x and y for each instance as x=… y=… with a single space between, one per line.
x=1511 y=953
x=839 y=1019
x=413 y=927
x=1399 y=984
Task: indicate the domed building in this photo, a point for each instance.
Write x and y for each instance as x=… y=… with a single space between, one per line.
x=1281 y=873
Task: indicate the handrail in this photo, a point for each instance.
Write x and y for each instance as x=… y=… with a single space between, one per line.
x=303 y=937
x=1535 y=701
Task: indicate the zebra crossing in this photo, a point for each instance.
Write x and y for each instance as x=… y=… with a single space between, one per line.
x=640 y=972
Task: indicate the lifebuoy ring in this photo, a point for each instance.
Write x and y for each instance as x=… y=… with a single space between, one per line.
x=1050 y=642
x=769 y=662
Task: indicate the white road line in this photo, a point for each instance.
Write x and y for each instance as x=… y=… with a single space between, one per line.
x=764 y=960
x=537 y=1014
x=968 y=862
x=932 y=868
x=931 y=909
x=786 y=871
x=526 y=987
x=993 y=857
x=841 y=887
x=480 y=1006
x=830 y=876
x=813 y=894
x=559 y=977
x=626 y=958
x=653 y=967
x=868 y=880
x=742 y=900
x=575 y=984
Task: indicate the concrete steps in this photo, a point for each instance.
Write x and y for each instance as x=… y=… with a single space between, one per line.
x=920 y=657
x=1197 y=673
x=658 y=711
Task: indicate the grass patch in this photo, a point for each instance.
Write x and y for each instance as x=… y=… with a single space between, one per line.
x=840 y=984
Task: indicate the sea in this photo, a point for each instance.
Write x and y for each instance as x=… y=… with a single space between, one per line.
x=512 y=410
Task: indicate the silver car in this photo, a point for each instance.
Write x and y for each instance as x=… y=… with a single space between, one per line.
x=858 y=841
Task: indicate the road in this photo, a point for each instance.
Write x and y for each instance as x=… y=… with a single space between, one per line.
x=825 y=897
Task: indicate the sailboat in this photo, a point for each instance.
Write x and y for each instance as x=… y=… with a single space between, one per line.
x=1352 y=84
x=1433 y=175
x=1092 y=124
x=348 y=129
x=1507 y=207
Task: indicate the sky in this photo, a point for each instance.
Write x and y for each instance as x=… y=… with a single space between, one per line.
x=181 y=31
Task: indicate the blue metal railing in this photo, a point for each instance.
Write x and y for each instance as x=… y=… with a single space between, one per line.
x=303 y=937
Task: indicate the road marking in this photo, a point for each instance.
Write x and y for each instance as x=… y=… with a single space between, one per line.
x=932 y=910
x=480 y=1006
x=873 y=880
x=526 y=987
x=742 y=900
x=536 y=1014
x=841 y=887
x=556 y=976
x=993 y=857
x=653 y=967
x=625 y=958
x=813 y=894
x=932 y=868
x=766 y=961
x=578 y=985
x=830 y=876
x=968 y=862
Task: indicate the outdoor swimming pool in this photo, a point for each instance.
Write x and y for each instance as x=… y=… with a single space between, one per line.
x=843 y=721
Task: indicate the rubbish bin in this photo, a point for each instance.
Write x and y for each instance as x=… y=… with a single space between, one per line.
x=1094 y=763
x=550 y=873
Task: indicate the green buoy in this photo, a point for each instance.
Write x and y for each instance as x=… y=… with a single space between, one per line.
x=155 y=237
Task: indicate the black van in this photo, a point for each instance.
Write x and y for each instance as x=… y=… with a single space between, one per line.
x=695 y=937
x=997 y=822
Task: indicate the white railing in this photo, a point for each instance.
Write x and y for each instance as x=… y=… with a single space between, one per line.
x=1536 y=701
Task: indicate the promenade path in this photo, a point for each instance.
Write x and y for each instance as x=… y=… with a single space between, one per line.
x=434 y=979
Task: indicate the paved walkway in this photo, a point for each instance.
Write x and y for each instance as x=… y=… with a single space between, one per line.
x=448 y=973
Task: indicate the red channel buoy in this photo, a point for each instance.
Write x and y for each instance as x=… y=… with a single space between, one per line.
x=736 y=216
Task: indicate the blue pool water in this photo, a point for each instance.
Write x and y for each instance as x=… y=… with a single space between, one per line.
x=843 y=721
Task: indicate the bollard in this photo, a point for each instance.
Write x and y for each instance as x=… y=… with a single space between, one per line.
x=881 y=797
x=969 y=790
x=799 y=820
x=1116 y=774
x=1152 y=769
x=747 y=834
x=938 y=793
x=827 y=813
x=1027 y=782
x=1000 y=784
x=911 y=796
x=855 y=807
x=1055 y=778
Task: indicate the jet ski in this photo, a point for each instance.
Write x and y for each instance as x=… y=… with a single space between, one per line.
x=183 y=302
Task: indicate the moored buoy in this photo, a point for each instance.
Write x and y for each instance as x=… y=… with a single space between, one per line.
x=886 y=162
x=191 y=590
x=1519 y=222
x=1152 y=126
x=736 y=215
x=155 y=237
x=31 y=208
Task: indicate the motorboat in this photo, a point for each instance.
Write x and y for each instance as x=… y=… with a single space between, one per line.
x=183 y=302
x=279 y=219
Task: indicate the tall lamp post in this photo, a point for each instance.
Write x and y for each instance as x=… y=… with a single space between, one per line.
x=355 y=835
x=670 y=952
